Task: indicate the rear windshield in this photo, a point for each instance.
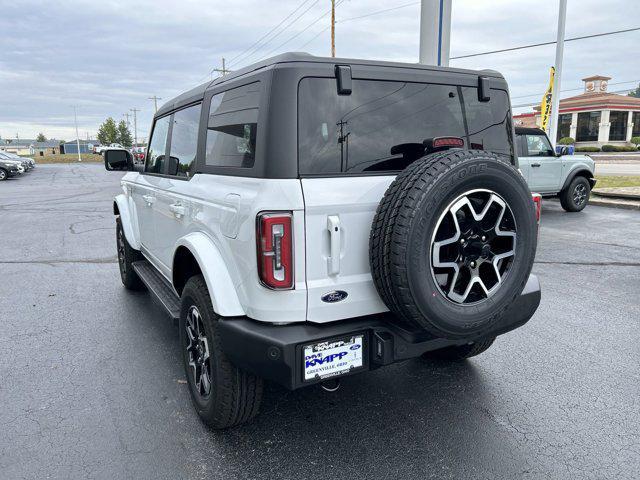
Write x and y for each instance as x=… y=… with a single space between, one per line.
x=355 y=133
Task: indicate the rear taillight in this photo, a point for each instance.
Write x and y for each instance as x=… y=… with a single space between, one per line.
x=275 y=250
x=537 y=199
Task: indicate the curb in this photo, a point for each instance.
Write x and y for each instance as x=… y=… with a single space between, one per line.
x=626 y=196
x=618 y=203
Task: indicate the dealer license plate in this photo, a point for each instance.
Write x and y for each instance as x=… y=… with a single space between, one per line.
x=335 y=357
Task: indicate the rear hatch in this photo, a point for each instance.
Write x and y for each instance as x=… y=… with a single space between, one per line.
x=345 y=163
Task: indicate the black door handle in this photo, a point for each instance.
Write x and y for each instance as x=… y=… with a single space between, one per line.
x=535 y=164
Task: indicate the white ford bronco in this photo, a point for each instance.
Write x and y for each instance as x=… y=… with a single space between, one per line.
x=306 y=219
x=570 y=177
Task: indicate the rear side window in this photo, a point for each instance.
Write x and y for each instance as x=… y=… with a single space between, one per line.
x=232 y=127
x=355 y=133
x=184 y=142
x=157 y=146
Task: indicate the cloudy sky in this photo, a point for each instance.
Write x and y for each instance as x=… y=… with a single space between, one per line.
x=108 y=57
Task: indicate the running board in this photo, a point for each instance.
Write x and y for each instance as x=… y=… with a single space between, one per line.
x=159 y=287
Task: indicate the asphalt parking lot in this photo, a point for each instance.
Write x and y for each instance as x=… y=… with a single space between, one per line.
x=91 y=381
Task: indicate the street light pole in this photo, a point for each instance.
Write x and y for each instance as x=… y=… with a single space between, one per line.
x=555 y=99
x=333 y=28
x=75 y=117
x=435 y=32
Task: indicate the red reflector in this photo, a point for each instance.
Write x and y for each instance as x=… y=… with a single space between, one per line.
x=275 y=250
x=440 y=142
x=537 y=199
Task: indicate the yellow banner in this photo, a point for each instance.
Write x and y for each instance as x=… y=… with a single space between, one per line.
x=545 y=106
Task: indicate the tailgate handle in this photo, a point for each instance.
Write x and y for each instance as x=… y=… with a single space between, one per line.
x=333 y=262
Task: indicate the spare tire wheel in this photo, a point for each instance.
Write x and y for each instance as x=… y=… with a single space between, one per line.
x=453 y=242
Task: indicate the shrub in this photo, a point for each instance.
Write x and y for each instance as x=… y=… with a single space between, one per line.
x=618 y=148
x=587 y=149
x=566 y=141
x=635 y=141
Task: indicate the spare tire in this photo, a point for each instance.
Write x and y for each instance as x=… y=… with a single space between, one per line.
x=453 y=241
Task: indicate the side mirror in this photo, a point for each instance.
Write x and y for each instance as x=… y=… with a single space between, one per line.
x=120 y=160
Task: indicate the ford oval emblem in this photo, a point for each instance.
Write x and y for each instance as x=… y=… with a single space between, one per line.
x=335 y=296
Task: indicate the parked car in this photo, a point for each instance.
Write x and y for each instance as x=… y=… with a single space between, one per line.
x=100 y=149
x=30 y=162
x=138 y=154
x=569 y=177
x=324 y=217
x=24 y=164
x=9 y=168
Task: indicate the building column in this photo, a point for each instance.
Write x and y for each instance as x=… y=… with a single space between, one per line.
x=629 y=126
x=573 y=129
x=603 y=130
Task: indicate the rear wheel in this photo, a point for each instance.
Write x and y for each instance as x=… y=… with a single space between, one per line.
x=3 y=174
x=576 y=196
x=223 y=395
x=460 y=352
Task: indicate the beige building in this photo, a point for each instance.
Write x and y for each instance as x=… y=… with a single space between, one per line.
x=595 y=117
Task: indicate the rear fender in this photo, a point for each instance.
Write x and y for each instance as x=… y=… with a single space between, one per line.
x=216 y=275
x=121 y=207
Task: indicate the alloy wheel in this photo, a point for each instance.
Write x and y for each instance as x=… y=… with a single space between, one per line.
x=2 y=175
x=121 y=252
x=198 y=352
x=580 y=194
x=473 y=247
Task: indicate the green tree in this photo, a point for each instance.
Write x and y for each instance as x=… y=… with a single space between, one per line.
x=124 y=135
x=635 y=92
x=41 y=137
x=108 y=132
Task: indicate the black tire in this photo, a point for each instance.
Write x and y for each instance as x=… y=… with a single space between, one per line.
x=234 y=395
x=405 y=223
x=126 y=256
x=3 y=174
x=460 y=352
x=576 y=196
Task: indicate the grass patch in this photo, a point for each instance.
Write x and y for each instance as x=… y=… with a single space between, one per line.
x=618 y=181
x=68 y=158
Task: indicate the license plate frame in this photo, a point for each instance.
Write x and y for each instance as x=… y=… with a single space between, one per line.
x=324 y=367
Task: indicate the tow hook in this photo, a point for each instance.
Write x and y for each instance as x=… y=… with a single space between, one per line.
x=331 y=385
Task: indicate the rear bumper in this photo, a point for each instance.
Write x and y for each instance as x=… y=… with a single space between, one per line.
x=275 y=352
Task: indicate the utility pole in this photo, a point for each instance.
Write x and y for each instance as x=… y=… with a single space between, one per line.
x=333 y=28
x=126 y=116
x=222 y=70
x=75 y=116
x=555 y=98
x=135 y=126
x=435 y=32
x=155 y=99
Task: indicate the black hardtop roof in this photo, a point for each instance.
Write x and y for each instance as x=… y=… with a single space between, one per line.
x=197 y=93
x=530 y=131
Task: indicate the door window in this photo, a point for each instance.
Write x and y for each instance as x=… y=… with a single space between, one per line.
x=539 y=146
x=184 y=142
x=157 y=146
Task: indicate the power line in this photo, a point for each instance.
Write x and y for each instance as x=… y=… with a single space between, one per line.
x=545 y=43
x=303 y=30
x=268 y=33
x=378 y=12
x=264 y=44
x=313 y=38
